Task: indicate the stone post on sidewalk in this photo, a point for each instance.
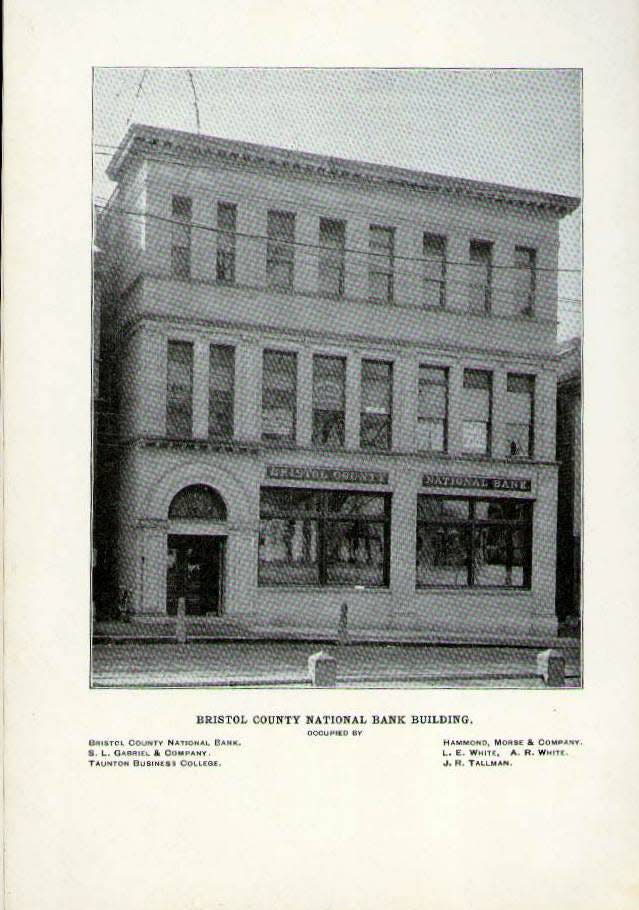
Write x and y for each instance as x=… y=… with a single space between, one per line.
x=322 y=669
x=551 y=666
x=180 y=621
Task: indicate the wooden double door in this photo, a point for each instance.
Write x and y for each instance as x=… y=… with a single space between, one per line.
x=195 y=571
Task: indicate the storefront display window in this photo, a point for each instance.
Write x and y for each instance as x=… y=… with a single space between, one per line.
x=312 y=537
x=473 y=542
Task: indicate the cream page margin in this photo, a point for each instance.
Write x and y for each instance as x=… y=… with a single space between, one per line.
x=292 y=822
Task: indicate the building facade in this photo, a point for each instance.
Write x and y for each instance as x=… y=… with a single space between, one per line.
x=336 y=383
x=568 y=590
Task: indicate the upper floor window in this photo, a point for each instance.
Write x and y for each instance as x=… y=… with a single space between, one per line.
x=181 y=237
x=179 y=392
x=226 y=227
x=329 y=391
x=481 y=258
x=434 y=270
x=381 y=247
x=432 y=409
x=221 y=386
x=477 y=411
x=279 y=395
x=280 y=250
x=332 y=238
x=525 y=279
x=377 y=404
x=520 y=415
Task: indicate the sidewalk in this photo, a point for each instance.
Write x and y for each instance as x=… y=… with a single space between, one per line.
x=285 y=664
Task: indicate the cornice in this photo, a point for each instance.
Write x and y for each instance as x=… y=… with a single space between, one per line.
x=175 y=145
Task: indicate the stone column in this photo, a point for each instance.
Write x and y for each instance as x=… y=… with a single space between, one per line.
x=152 y=556
x=455 y=408
x=499 y=413
x=408 y=267
x=404 y=402
x=306 y=253
x=250 y=251
x=357 y=230
x=248 y=391
x=457 y=268
x=353 y=399
x=304 y=418
x=200 y=389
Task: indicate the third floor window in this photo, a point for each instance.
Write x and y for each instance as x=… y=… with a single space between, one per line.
x=525 y=279
x=181 y=237
x=381 y=245
x=332 y=238
x=280 y=250
x=226 y=227
x=481 y=275
x=434 y=271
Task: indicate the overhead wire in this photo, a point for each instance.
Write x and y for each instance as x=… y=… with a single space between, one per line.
x=176 y=160
x=446 y=279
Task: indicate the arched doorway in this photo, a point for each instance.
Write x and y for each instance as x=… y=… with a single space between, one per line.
x=196 y=548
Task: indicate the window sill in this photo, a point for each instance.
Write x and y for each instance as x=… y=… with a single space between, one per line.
x=323 y=589
x=475 y=590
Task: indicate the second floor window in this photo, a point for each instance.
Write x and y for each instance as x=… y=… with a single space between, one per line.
x=481 y=260
x=332 y=237
x=525 y=279
x=432 y=409
x=179 y=391
x=221 y=387
x=279 y=395
x=329 y=388
x=434 y=271
x=520 y=415
x=181 y=237
x=381 y=246
x=280 y=250
x=225 y=260
x=376 y=409
x=477 y=411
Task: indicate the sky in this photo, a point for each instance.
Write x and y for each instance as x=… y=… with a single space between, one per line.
x=518 y=127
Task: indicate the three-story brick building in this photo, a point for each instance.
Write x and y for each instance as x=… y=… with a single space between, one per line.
x=337 y=382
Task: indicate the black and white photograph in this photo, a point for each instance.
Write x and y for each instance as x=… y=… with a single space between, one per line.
x=336 y=377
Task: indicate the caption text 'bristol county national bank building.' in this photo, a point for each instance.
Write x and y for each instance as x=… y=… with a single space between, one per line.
x=336 y=383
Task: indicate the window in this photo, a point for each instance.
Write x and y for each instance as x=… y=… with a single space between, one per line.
x=179 y=395
x=279 y=395
x=198 y=503
x=324 y=537
x=280 y=250
x=332 y=238
x=380 y=269
x=525 y=279
x=221 y=385
x=432 y=409
x=181 y=237
x=473 y=542
x=329 y=390
x=477 y=408
x=481 y=255
x=520 y=415
x=434 y=271
x=226 y=227
x=377 y=397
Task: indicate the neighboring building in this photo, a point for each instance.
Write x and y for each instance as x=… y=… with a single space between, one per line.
x=569 y=496
x=337 y=382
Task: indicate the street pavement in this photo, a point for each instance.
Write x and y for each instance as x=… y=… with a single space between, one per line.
x=280 y=664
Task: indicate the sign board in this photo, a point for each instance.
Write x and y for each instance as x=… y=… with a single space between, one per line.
x=518 y=484
x=332 y=475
